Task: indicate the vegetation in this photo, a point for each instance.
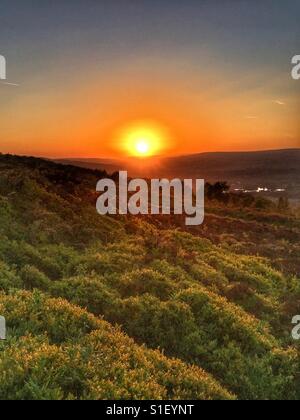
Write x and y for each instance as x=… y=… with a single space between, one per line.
x=113 y=308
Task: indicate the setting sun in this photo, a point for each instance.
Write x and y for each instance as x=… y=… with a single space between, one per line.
x=143 y=147
x=143 y=139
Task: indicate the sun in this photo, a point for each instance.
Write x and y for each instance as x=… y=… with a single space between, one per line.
x=143 y=139
x=143 y=147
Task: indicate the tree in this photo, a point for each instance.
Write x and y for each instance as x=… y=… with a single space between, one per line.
x=217 y=191
x=283 y=204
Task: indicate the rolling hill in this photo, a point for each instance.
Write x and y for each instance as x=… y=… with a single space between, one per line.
x=274 y=170
x=133 y=308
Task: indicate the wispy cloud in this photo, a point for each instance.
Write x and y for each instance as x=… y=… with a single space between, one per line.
x=278 y=102
x=9 y=84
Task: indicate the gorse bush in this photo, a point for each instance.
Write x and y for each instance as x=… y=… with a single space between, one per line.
x=87 y=360
x=98 y=307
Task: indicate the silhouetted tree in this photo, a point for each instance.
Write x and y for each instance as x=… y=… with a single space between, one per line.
x=217 y=191
x=283 y=204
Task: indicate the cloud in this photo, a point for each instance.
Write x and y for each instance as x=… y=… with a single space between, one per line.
x=278 y=102
x=10 y=84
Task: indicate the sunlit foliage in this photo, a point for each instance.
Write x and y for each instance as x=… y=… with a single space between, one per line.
x=75 y=286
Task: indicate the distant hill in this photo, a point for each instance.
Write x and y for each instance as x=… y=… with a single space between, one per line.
x=273 y=170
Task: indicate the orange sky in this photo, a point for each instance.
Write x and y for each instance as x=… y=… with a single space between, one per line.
x=78 y=89
x=203 y=112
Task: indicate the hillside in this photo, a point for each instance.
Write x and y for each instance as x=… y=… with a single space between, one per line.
x=276 y=169
x=135 y=308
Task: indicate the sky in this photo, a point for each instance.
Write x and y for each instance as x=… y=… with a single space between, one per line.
x=214 y=75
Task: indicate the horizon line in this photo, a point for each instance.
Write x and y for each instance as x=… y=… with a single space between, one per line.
x=177 y=156
x=151 y=157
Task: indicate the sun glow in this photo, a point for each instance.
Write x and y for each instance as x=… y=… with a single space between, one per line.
x=143 y=147
x=143 y=140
